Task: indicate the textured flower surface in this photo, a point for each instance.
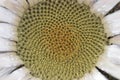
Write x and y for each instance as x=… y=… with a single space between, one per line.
x=59 y=40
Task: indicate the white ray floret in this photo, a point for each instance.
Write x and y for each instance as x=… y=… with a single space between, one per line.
x=33 y=78
x=20 y=74
x=7 y=45
x=94 y=75
x=9 y=60
x=106 y=65
x=7 y=16
x=90 y=2
x=23 y=3
x=112 y=23
x=97 y=75
x=5 y=71
x=115 y=40
x=8 y=31
x=12 y=5
x=113 y=53
x=102 y=7
x=80 y=1
x=33 y=2
x=87 y=2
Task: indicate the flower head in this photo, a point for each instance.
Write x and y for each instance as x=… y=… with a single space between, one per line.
x=59 y=40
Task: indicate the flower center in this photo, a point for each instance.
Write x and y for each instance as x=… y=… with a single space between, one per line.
x=60 y=39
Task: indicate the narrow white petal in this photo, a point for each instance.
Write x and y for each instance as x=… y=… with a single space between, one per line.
x=102 y=7
x=5 y=71
x=113 y=53
x=33 y=2
x=112 y=23
x=13 y=5
x=7 y=16
x=9 y=60
x=90 y=2
x=36 y=1
x=33 y=78
x=94 y=75
x=7 y=45
x=19 y=74
x=23 y=3
x=106 y=65
x=80 y=1
x=97 y=75
x=115 y=40
x=8 y=31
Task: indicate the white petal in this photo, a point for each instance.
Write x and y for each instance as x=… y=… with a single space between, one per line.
x=7 y=16
x=112 y=23
x=80 y=1
x=23 y=3
x=7 y=45
x=113 y=53
x=97 y=75
x=9 y=60
x=13 y=5
x=102 y=7
x=5 y=71
x=94 y=75
x=115 y=40
x=106 y=65
x=33 y=78
x=33 y=2
x=90 y=2
x=19 y=74
x=8 y=63
x=8 y=31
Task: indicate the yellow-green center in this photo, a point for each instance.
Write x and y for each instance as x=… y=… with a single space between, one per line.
x=60 y=39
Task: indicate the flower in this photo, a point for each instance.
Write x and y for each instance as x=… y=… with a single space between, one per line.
x=59 y=40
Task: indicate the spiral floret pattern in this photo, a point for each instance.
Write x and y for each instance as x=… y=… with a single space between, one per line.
x=60 y=39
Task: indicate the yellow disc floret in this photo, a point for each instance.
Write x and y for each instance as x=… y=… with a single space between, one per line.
x=60 y=39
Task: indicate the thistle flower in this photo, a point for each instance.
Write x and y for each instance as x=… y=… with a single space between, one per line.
x=59 y=40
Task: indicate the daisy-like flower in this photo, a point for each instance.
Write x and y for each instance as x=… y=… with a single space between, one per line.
x=59 y=40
